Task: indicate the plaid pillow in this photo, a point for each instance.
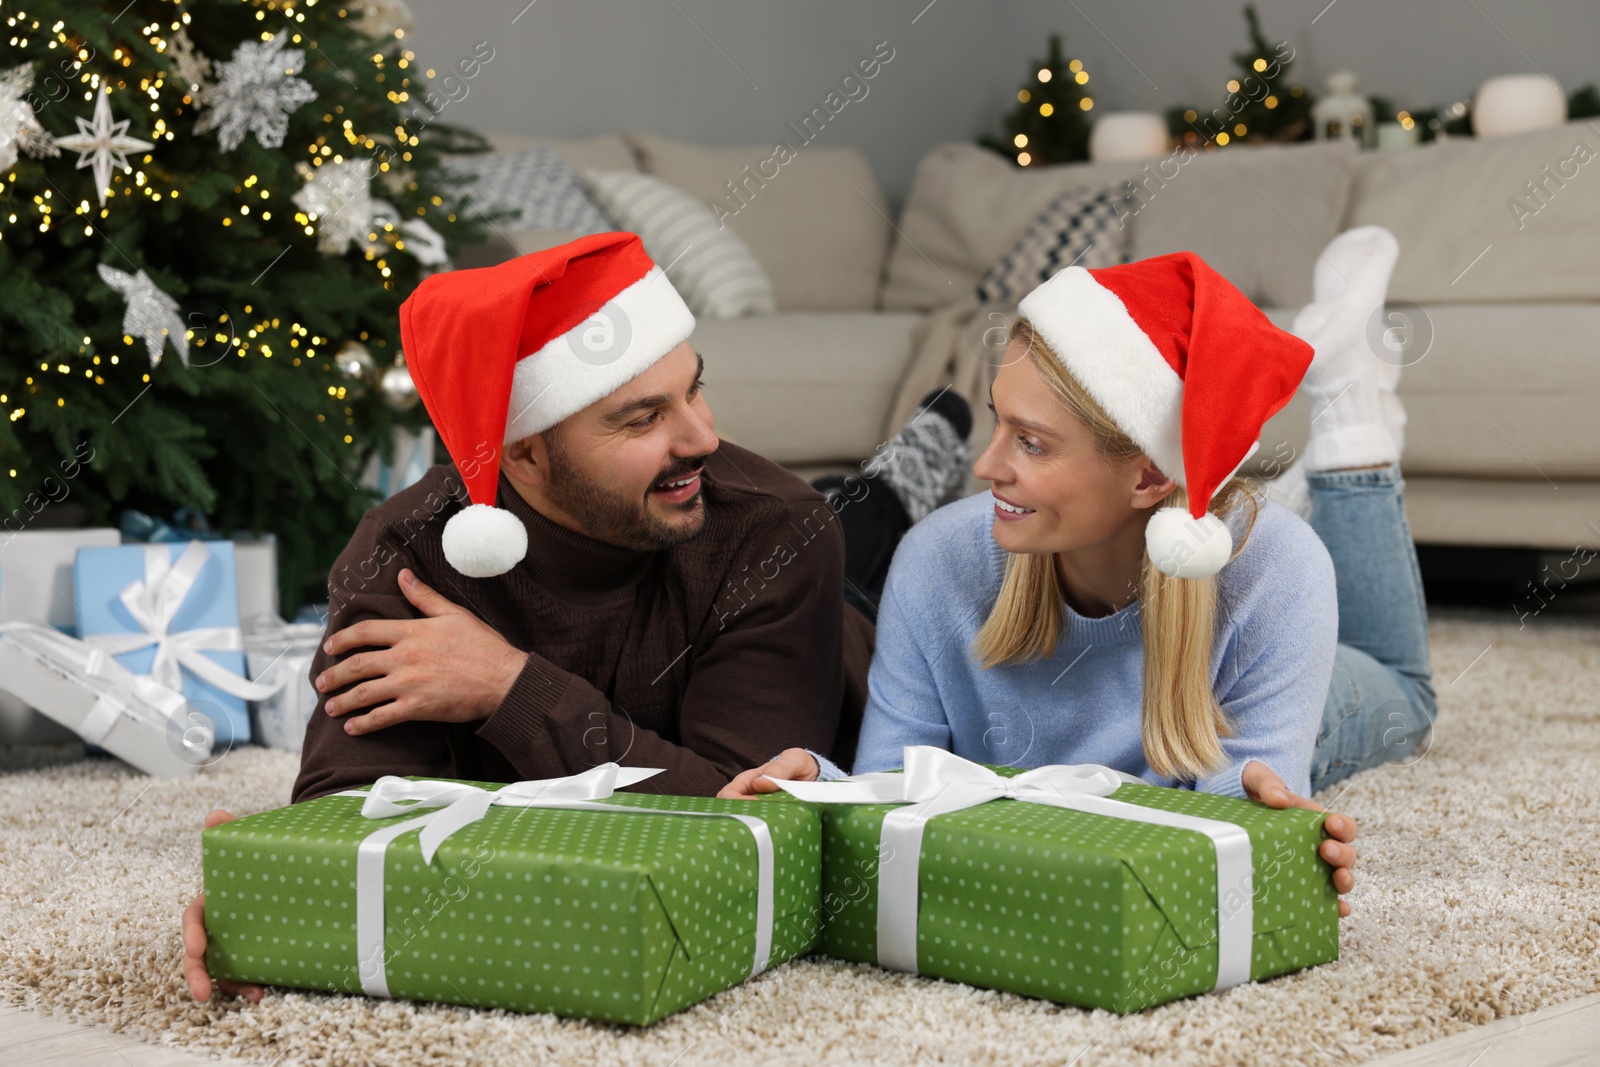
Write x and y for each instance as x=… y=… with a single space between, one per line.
x=1081 y=227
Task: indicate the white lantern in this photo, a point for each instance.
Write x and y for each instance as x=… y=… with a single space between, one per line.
x=1344 y=114
x=1128 y=135
x=1514 y=103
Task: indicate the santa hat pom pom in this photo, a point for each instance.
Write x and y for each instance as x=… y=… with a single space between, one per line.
x=482 y=541
x=1182 y=546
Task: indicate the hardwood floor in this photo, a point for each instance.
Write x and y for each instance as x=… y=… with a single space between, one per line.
x=1567 y=1035
x=29 y=1038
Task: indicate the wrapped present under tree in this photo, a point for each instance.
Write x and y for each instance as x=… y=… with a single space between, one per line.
x=171 y=611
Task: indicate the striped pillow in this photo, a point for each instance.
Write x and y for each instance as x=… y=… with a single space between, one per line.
x=711 y=266
x=1081 y=226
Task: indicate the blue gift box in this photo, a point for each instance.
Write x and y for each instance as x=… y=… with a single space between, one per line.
x=101 y=574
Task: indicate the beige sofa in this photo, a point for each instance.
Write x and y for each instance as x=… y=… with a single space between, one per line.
x=1501 y=301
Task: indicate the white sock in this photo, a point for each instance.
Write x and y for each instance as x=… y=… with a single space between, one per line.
x=1349 y=429
x=1354 y=411
x=1290 y=489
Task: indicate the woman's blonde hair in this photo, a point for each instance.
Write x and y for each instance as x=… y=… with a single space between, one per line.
x=1181 y=722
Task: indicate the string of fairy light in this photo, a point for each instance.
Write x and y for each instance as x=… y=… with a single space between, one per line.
x=256 y=334
x=1222 y=139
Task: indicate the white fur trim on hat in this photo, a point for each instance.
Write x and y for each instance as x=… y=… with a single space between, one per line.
x=1087 y=326
x=1182 y=546
x=613 y=346
x=482 y=541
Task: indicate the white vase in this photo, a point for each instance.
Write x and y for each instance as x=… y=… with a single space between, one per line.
x=1514 y=103
x=1128 y=135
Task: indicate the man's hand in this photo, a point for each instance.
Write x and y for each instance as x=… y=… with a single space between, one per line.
x=1263 y=784
x=194 y=943
x=448 y=667
x=794 y=765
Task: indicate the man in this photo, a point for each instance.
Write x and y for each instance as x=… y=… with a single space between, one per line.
x=597 y=577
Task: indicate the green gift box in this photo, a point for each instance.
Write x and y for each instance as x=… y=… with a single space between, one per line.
x=556 y=896
x=1047 y=891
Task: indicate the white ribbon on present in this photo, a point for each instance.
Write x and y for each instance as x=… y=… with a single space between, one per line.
x=936 y=782
x=153 y=601
x=458 y=805
x=118 y=691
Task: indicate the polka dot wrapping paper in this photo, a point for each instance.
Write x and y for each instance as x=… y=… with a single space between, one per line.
x=616 y=917
x=1082 y=908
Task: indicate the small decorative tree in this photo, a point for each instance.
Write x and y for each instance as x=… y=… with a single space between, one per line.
x=1050 y=123
x=1262 y=102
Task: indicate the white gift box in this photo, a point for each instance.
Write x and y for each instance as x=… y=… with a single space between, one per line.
x=36 y=586
x=133 y=717
x=278 y=652
x=255 y=563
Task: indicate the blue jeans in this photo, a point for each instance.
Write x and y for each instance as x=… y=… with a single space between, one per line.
x=1381 y=703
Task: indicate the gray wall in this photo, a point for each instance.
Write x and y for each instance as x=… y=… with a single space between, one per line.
x=730 y=72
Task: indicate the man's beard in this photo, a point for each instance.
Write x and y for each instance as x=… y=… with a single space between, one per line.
x=616 y=519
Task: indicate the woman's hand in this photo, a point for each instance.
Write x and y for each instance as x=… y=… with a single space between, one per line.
x=194 y=943
x=1263 y=784
x=794 y=765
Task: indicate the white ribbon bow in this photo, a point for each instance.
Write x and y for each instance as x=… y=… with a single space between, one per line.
x=153 y=601
x=457 y=805
x=118 y=691
x=936 y=782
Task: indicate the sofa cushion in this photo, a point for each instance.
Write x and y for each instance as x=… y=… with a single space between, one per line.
x=714 y=270
x=1512 y=218
x=501 y=244
x=1081 y=227
x=818 y=222
x=539 y=187
x=1259 y=215
x=1500 y=391
x=966 y=207
x=610 y=152
x=805 y=388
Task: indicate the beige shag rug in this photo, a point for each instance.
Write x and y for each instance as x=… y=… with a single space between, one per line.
x=1478 y=897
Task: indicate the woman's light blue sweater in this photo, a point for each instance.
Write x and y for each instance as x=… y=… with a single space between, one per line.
x=1272 y=660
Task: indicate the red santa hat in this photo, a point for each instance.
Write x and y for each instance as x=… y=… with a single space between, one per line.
x=501 y=353
x=1187 y=366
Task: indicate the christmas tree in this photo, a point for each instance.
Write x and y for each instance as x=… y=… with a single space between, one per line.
x=210 y=211
x=1050 y=123
x=1262 y=102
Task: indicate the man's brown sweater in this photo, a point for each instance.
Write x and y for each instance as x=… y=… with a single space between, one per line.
x=705 y=659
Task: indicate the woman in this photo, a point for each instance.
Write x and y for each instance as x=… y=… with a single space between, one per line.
x=1087 y=614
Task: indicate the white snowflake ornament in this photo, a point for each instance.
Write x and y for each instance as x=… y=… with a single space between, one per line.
x=425 y=244
x=101 y=143
x=189 y=67
x=19 y=129
x=380 y=18
x=256 y=92
x=338 y=197
x=151 y=314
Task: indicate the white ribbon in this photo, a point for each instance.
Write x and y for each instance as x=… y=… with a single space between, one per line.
x=153 y=601
x=118 y=691
x=935 y=782
x=460 y=805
